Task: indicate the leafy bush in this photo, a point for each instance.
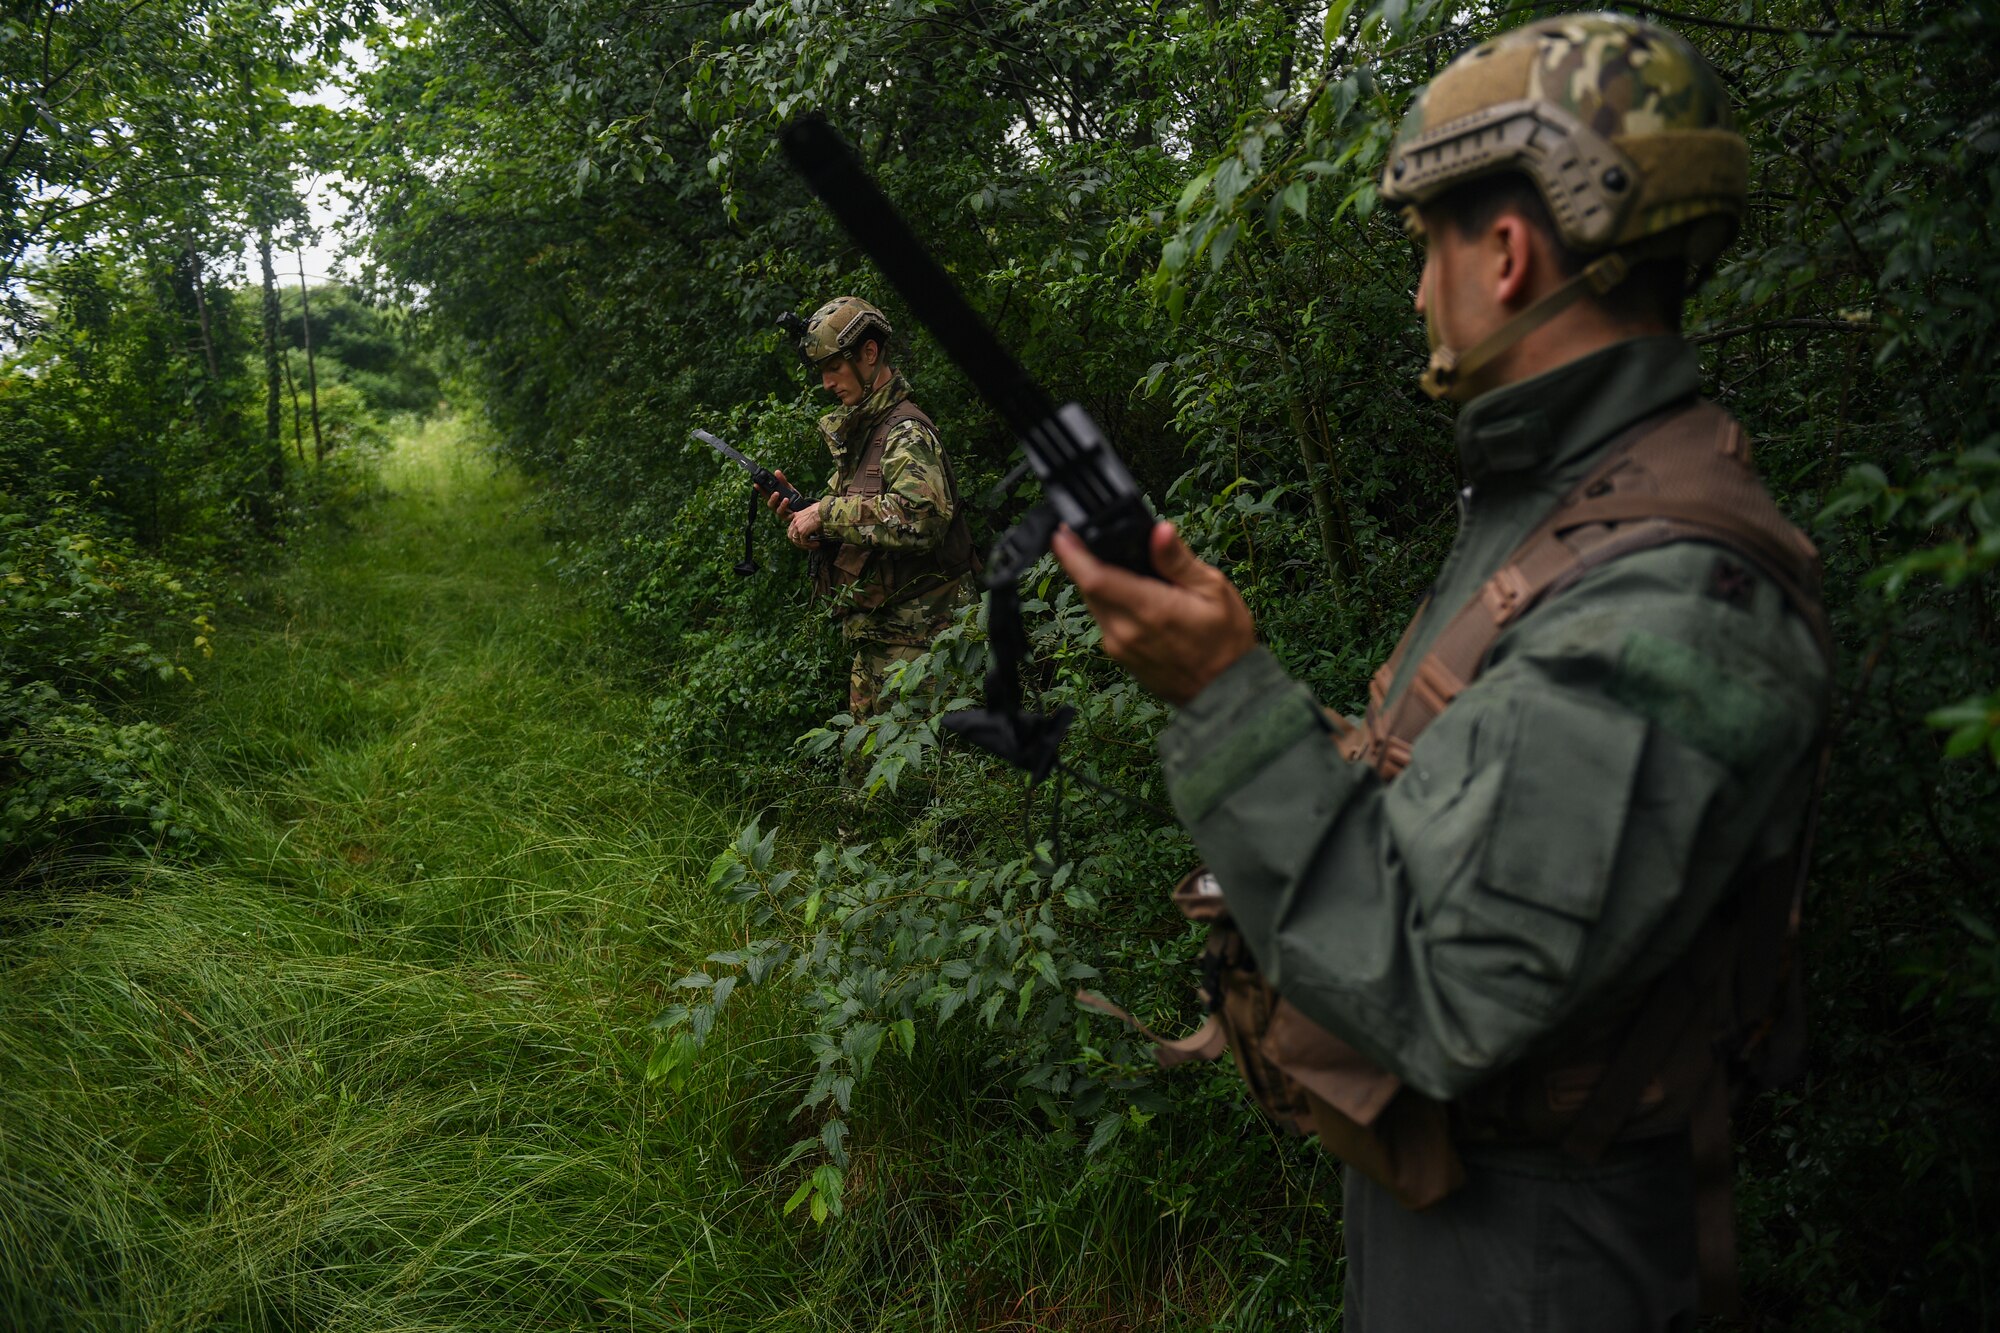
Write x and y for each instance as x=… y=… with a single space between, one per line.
x=1170 y=214
x=79 y=611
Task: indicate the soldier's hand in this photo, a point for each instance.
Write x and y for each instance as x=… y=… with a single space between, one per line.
x=1176 y=633
x=777 y=502
x=804 y=530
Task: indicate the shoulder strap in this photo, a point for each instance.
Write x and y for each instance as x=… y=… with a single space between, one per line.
x=1682 y=477
x=868 y=468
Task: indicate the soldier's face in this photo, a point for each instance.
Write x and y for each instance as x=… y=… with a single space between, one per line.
x=1454 y=293
x=850 y=381
x=837 y=377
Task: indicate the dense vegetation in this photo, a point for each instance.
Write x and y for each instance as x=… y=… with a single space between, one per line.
x=1169 y=211
x=159 y=420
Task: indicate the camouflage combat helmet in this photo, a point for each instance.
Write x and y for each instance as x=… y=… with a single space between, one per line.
x=1624 y=130
x=837 y=328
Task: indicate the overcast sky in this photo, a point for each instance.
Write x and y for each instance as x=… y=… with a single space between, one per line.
x=329 y=212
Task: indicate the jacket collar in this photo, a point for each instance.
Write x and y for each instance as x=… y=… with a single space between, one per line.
x=1550 y=424
x=846 y=427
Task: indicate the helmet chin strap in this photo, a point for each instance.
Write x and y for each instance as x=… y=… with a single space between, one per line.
x=1455 y=376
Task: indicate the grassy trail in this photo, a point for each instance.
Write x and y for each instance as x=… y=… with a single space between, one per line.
x=374 y=1062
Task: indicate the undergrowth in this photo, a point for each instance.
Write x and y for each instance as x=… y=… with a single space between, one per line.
x=374 y=1057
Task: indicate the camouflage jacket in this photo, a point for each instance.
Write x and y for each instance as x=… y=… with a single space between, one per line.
x=910 y=519
x=917 y=501
x=1565 y=825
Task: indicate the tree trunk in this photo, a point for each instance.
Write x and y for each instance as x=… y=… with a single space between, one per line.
x=1323 y=502
x=274 y=440
x=298 y=432
x=312 y=371
x=1336 y=529
x=273 y=431
x=201 y=310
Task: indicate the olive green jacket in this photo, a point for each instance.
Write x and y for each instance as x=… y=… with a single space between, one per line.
x=1564 y=826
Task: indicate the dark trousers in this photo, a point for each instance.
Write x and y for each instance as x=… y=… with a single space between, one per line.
x=1534 y=1243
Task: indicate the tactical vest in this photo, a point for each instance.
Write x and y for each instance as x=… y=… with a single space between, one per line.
x=885 y=578
x=1726 y=1013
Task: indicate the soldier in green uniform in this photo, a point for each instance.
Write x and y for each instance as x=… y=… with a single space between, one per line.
x=890 y=542
x=1489 y=912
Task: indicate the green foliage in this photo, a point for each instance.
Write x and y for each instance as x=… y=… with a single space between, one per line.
x=378 y=1055
x=80 y=607
x=132 y=475
x=1170 y=212
x=142 y=149
x=65 y=767
x=875 y=948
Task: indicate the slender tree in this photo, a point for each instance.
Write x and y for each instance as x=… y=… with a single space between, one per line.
x=312 y=369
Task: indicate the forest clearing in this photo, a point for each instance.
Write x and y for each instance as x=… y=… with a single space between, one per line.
x=453 y=877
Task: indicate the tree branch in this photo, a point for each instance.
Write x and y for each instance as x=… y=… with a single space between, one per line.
x=1644 y=10
x=1822 y=325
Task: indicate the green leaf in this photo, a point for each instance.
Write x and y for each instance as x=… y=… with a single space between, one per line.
x=1193 y=191
x=1335 y=26
x=1218 y=249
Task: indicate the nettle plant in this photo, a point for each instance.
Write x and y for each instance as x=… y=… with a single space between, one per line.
x=875 y=949
x=881 y=943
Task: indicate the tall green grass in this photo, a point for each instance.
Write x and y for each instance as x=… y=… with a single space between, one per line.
x=376 y=1060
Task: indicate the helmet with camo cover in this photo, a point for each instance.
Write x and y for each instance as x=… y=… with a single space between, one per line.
x=838 y=327
x=1622 y=127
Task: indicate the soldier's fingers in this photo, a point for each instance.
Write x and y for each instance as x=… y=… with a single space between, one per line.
x=1098 y=580
x=1076 y=560
x=1173 y=559
x=1085 y=570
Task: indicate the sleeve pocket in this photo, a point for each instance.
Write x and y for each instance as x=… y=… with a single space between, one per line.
x=1570 y=770
x=1516 y=933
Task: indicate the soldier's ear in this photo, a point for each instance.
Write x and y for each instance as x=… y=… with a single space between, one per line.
x=1513 y=258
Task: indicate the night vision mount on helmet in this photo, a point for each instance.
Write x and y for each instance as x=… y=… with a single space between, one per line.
x=836 y=329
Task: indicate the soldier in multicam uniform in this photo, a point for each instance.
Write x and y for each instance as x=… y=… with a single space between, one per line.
x=890 y=543
x=1498 y=896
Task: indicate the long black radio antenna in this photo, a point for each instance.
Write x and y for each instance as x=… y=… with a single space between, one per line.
x=1083 y=479
x=1084 y=482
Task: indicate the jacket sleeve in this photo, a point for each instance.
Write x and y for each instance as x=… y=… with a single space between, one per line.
x=915 y=507
x=1559 y=834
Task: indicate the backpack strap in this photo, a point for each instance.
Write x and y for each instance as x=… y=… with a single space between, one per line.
x=1684 y=476
x=866 y=479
